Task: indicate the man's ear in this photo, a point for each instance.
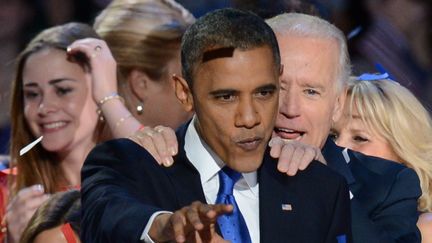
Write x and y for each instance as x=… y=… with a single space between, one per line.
x=138 y=82
x=183 y=92
x=339 y=106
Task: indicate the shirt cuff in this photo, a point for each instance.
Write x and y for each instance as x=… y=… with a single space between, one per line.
x=145 y=237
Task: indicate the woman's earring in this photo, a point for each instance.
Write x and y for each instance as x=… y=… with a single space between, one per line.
x=140 y=108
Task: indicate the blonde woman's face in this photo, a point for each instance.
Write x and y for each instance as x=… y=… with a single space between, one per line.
x=356 y=135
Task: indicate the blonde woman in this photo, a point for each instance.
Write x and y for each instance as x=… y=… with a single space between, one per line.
x=384 y=119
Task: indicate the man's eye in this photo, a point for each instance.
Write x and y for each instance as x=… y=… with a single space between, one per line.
x=311 y=92
x=265 y=93
x=225 y=97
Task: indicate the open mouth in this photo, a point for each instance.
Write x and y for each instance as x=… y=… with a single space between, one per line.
x=249 y=144
x=290 y=134
x=53 y=126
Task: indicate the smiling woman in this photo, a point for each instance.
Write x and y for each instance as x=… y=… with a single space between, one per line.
x=58 y=104
x=52 y=97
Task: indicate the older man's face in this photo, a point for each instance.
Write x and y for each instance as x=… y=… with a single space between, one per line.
x=309 y=100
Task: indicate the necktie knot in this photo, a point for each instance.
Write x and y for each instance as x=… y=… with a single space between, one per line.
x=227 y=180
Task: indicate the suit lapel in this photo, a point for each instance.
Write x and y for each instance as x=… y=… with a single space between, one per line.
x=275 y=203
x=183 y=175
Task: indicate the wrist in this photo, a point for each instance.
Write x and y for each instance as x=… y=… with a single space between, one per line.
x=101 y=99
x=157 y=231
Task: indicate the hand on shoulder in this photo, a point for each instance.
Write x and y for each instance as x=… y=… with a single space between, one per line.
x=293 y=155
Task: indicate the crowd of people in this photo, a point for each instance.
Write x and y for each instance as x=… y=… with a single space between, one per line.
x=144 y=126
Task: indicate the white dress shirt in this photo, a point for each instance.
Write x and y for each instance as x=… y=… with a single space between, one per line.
x=208 y=164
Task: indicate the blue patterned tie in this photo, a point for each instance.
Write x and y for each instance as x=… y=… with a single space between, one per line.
x=233 y=226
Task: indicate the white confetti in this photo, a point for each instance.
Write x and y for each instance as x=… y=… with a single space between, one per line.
x=30 y=146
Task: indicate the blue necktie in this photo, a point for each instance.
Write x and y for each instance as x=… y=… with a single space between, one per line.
x=233 y=226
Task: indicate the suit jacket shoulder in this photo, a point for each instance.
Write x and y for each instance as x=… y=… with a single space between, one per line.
x=114 y=176
x=122 y=186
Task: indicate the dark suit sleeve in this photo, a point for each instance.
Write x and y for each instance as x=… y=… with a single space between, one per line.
x=111 y=212
x=394 y=220
x=340 y=226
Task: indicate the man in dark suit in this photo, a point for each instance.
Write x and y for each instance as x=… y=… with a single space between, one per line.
x=231 y=68
x=383 y=193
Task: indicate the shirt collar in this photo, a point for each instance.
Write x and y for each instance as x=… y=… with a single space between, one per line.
x=206 y=161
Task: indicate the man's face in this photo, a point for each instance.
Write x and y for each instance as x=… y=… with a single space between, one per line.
x=235 y=99
x=309 y=99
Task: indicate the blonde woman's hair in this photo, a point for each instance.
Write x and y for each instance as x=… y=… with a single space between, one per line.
x=394 y=112
x=143 y=35
x=304 y=25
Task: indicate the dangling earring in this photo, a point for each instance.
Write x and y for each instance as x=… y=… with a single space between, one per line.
x=140 y=108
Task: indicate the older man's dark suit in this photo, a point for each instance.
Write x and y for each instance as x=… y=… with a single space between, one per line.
x=123 y=186
x=385 y=193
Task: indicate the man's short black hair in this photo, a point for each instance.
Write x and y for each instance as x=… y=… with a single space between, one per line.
x=225 y=29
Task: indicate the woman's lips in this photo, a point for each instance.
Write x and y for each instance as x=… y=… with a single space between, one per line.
x=52 y=126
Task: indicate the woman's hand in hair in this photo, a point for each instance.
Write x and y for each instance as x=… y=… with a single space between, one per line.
x=21 y=209
x=103 y=67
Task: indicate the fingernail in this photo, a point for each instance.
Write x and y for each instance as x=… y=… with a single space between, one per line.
x=271 y=143
x=180 y=238
x=283 y=168
x=168 y=162
x=173 y=151
x=38 y=187
x=273 y=154
x=292 y=172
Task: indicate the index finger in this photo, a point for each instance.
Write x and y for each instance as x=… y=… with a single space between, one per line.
x=276 y=145
x=220 y=209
